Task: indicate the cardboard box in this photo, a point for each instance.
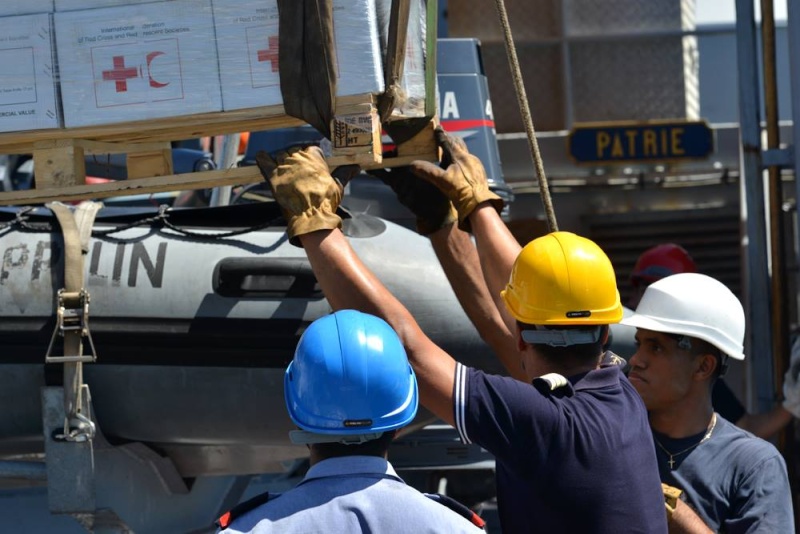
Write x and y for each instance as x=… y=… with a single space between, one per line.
x=28 y=98
x=138 y=62
x=25 y=7
x=247 y=44
x=77 y=5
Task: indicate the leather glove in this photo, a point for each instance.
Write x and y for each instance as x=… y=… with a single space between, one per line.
x=432 y=208
x=671 y=497
x=791 y=388
x=305 y=190
x=461 y=177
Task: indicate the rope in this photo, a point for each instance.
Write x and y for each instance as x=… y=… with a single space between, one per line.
x=522 y=99
x=220 y=235
x=162 y=218
x=20 y=218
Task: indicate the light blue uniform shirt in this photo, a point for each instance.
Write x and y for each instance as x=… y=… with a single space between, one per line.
x=351 y=494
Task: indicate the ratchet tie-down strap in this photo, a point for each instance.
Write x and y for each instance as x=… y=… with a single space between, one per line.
x=72 y=318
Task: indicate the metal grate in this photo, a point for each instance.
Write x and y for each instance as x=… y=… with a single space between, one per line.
x=587 y=60
x=711 y=236
x=631 y=79
x=592 y=17
x=545 y=97
x=530 y=19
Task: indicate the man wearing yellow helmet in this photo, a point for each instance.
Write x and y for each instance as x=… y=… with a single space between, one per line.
x=573 y=446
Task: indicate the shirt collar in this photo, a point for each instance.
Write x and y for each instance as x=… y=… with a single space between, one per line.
x=606 y=376
x=351 y=465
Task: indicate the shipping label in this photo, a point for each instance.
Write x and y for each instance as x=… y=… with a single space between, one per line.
x=18 y=82
x=353 y=130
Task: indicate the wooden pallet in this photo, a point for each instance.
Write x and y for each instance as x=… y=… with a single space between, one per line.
x=60 y=167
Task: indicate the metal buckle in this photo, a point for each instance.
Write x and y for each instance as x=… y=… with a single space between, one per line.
x=79 y=427
x=72 y=315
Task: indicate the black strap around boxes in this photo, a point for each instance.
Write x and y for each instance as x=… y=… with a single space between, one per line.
x=400 y=130
x=395 y=57
x=307 y=61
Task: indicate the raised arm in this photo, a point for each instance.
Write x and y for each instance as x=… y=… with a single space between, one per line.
x=435 y=218
x=463 y=181
x=459 y=259
x=309 y=196
x=349 y=284
x=766 y=425
x=497 y=249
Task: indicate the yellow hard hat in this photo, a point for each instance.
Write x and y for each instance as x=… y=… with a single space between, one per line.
x=563 y=279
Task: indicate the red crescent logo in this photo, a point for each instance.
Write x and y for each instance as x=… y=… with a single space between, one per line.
x=153 y=82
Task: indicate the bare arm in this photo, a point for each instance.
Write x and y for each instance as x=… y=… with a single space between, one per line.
x=348 y=283
x=463 y=181
x=684 y=520
x=459 y=259
x=497 y=249
x=765 y=425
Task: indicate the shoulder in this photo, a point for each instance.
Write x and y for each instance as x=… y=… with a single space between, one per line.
x=227 y=519
x=611 y=359
x=740 y=439
x=433 y=508
x=755 y=467
x=476 y=383
x=502 y=398
x=457 y=507
x=747 y=451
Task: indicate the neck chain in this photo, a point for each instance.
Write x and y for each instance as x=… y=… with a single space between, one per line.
x=672 y=455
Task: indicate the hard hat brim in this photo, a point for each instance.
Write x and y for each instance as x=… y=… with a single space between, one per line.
x=682 y=328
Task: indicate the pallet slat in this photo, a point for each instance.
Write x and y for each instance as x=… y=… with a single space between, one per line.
x=60 y=166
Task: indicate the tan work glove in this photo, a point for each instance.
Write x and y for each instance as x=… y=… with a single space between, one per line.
x=461 y=177
x=432 y=209
x=671 y=497
x=305 y=190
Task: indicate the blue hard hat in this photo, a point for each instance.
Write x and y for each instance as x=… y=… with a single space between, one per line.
x=350 y=376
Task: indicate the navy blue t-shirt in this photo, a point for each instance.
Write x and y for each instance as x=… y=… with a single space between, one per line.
x=735 y=481
x=578 y=458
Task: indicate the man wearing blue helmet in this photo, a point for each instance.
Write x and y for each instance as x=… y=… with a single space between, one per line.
x=349 y=389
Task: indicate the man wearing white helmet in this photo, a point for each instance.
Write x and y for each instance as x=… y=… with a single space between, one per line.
x=720 y=477
x=667 y=259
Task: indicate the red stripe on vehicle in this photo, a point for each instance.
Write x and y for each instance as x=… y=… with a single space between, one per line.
x=454 y=126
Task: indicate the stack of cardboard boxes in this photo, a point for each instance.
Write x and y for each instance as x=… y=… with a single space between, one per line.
x=28 y=91
x=71 y=63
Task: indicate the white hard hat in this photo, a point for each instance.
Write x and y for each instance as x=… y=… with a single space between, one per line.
x=694 y=305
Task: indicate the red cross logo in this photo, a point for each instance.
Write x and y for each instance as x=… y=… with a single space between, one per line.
x=120 y=74
x=270 y=54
